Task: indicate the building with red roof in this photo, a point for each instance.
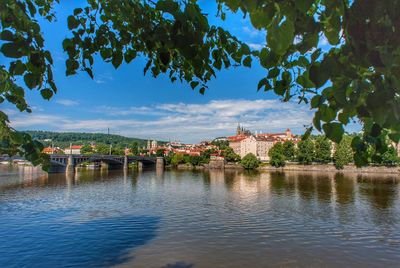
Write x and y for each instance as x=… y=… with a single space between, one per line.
x=258 y=144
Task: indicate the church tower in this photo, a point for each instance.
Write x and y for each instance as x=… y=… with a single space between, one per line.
x=238 y=130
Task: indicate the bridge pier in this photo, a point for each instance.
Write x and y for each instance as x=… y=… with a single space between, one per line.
x=70 y=164
x=140 y=166
x=104 y=165
x=160 y=163
x=125 y=163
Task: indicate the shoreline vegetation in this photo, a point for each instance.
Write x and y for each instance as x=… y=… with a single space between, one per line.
x=315 y=153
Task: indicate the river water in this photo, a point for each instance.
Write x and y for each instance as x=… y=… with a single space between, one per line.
x=198 y=219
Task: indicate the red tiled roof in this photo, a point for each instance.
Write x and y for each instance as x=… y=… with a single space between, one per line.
x=237 y=138
x=76 y=147
x=48 y=150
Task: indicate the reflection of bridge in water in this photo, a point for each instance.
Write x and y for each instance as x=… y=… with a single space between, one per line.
x=68 y=163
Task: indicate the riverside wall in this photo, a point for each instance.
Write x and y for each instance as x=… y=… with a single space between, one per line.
x=297 y=167
x=332 y=168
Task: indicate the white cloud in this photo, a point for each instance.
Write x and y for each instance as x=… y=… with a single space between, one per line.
x=255 y=46
x=252 y=32
x=118 y=111
x=180 y=121
x=103 y=78
x=67 y=102
x=25 y=120
x=323 y=41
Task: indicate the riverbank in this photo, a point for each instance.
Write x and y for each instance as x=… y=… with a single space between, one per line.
x=297 y=167
x=332 y=168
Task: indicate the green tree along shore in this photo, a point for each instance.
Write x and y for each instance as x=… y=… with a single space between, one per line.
x=319 y=150
x=356 y=78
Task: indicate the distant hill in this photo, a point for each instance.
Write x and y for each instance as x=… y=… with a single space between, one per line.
x=63 y=139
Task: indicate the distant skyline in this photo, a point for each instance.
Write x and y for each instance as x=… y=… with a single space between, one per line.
x=134 y=105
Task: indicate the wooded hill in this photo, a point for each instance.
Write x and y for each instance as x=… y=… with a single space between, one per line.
x=63 y=139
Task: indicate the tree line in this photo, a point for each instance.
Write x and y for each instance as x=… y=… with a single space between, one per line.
x=63 y=139
x=318 y=149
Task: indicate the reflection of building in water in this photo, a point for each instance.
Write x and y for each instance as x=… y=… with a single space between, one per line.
x=242 y=184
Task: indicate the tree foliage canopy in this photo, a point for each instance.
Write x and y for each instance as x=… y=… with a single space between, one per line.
x=289 y=150
x=250 y=161
x=343 y=154
x=306 y=151
x=277 y=155
x=357 y=77
x=323 y=150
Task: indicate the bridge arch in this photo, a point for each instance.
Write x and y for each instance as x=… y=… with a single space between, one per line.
x=69 y=162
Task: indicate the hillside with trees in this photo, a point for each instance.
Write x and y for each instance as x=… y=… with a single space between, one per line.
x=63 y=139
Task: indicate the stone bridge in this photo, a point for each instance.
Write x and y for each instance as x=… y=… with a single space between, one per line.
x=67 y=163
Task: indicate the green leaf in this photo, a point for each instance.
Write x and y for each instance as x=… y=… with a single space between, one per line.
x=202 y=90
x=262 y=83
x=30 y=80
x=262 y=17
x=318 y=75
x=78 y=11
x=72 y=22
x=130 y=55
x=67 y=43
x=72 y=66
x=327 y=113
x=89 y=72
x=117 y=59
x=317 y=121
x=303 y=5
x=279 y=87
x=168 y=6
x=316 y=101
x=343 y=118
x=247 y=61
x=16 y=137
x=268 y=59
x=194 y=84
x=18 y=68
x=18 y=91
x=46 y=93
x=304 y=81
x=274 y=72
x=280 y=36
x=10 y=50
x=307 y=134
x=334 y=131
x=7 y=35
x=332 y=29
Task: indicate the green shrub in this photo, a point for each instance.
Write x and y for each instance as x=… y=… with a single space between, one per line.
x=305 y=152
x=277 y=156
x=250 y=161
x=343 y=154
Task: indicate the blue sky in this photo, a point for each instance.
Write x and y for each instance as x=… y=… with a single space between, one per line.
x=135 y=105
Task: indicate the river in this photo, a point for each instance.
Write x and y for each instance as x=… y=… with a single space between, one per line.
x=182 y=219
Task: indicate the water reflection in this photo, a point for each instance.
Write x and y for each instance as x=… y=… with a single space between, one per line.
x=380 y=194
x=53 y=243
x=198 y=219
